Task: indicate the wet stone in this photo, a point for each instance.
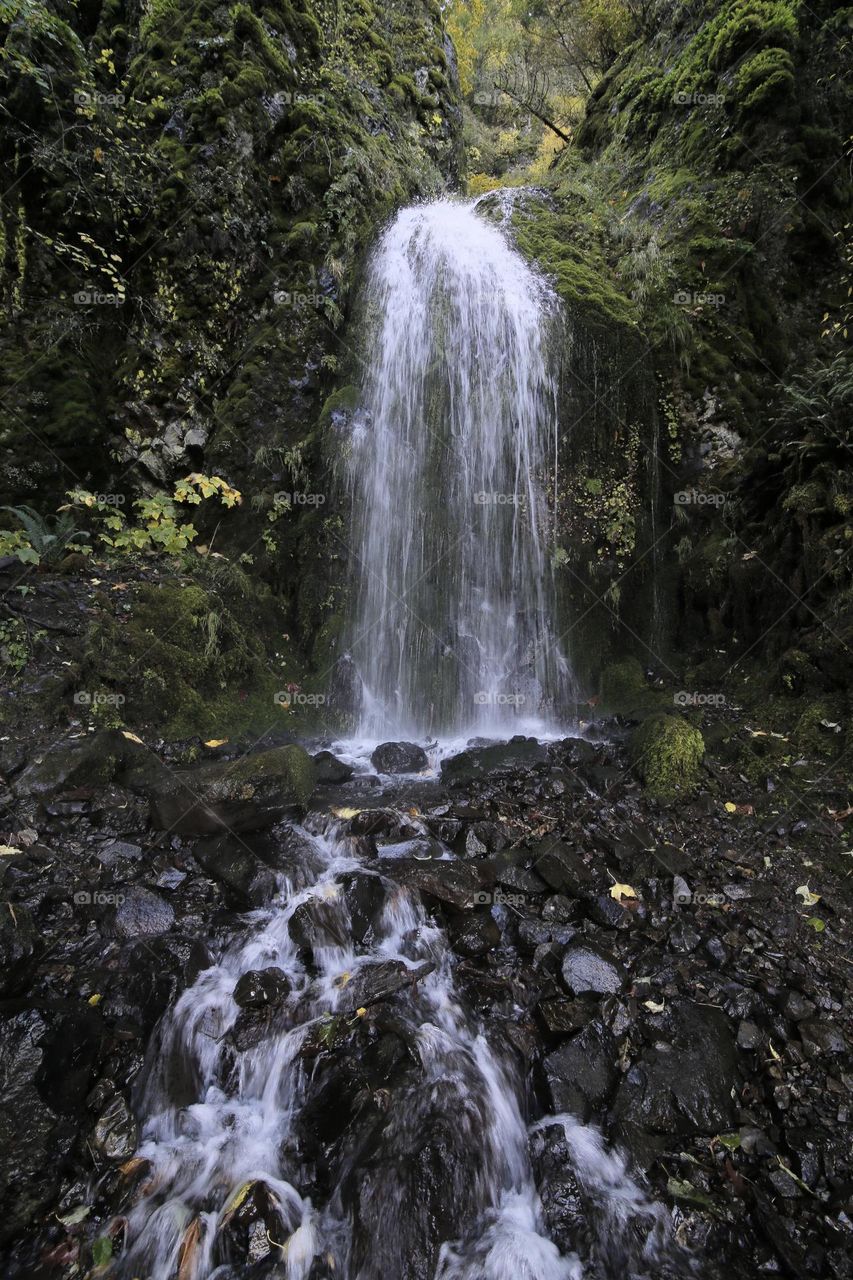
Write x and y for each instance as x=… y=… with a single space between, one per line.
x=330 y=770
x=262 y=988
x=587 y=967
x=143 y=913
x=115 y=1134
x=749 y=1036
x=399 y=757
x=582 y=1072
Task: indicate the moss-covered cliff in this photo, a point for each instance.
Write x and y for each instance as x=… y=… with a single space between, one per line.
x=189 y=188
x=699 y=234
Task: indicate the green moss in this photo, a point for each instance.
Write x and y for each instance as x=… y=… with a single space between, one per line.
x=667 y=753
x=579 y=272
x=764 y=79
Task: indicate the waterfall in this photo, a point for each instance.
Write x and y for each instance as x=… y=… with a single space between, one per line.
x=452 y=471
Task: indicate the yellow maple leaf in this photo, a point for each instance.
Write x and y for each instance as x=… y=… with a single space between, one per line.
x=620 y=891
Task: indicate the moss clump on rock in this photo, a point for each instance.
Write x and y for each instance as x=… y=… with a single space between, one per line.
x=624 y=688
x=667 y=753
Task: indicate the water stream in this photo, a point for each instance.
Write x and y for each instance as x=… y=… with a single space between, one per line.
x=452 y=467
x=225 y=1125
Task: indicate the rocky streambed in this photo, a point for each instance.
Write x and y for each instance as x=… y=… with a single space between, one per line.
x=472 y=984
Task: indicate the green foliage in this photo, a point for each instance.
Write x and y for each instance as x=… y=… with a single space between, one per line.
x=764 y=79
x=158 y=528
x=14 y=644
x=43 y=539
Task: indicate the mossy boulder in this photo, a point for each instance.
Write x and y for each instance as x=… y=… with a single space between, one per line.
x=248 y=794
x=667 y=754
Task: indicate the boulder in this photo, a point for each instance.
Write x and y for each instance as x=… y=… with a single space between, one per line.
x=233 y=864
x=142 y=914
x=399 y=757
x=477 y=762
x=329 y=770
x=588 y=967
x=262 y=988
x=582 y=1072
x=682 y=1085
x=248 y=794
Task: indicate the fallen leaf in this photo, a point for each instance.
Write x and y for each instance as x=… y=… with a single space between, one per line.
x=75 y=1216
x=652 y=1007
x=93 y=1000
x=216 y=742
x=345 y=813
x=809 y=898
x=730 y=807
x=343 y=978
x=620 y=891
x=132 y=737
x=816 y=923
x=359 y=1013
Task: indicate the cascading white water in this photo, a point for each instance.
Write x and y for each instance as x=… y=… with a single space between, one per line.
x=452 y=461
x=218 y=1120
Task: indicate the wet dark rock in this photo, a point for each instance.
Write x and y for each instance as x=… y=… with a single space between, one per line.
x=564 y=1017
x=33 y=1137
x=399 y=757
x=798 y=1007
x=581 y=1073
x=115 y=1134
x=604 y=910
x=248 y=794
x=262 y=988
x=151 y=973
x=521 y=880
x=476 y=934
x=329 y=770
x=749 y=1036
x=143 y=913
x=533 y=933
x=588 y=967
x=821 y=1038
x=365 y=899
x=18 y=941
x=682 y=1084
x=378 y=823
x=233 y=865
x=478 y=762
x=422 y=848
x=562 y=868
x=116 y=852
x=375 y=982
x=560 y=909
x=90 y=762
x=455 y=883
x=566 y=1216
x=684 y=937
x=318 y=923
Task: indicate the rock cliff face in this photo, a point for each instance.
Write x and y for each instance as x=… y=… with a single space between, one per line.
x=190 y=188
x=699 y=235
